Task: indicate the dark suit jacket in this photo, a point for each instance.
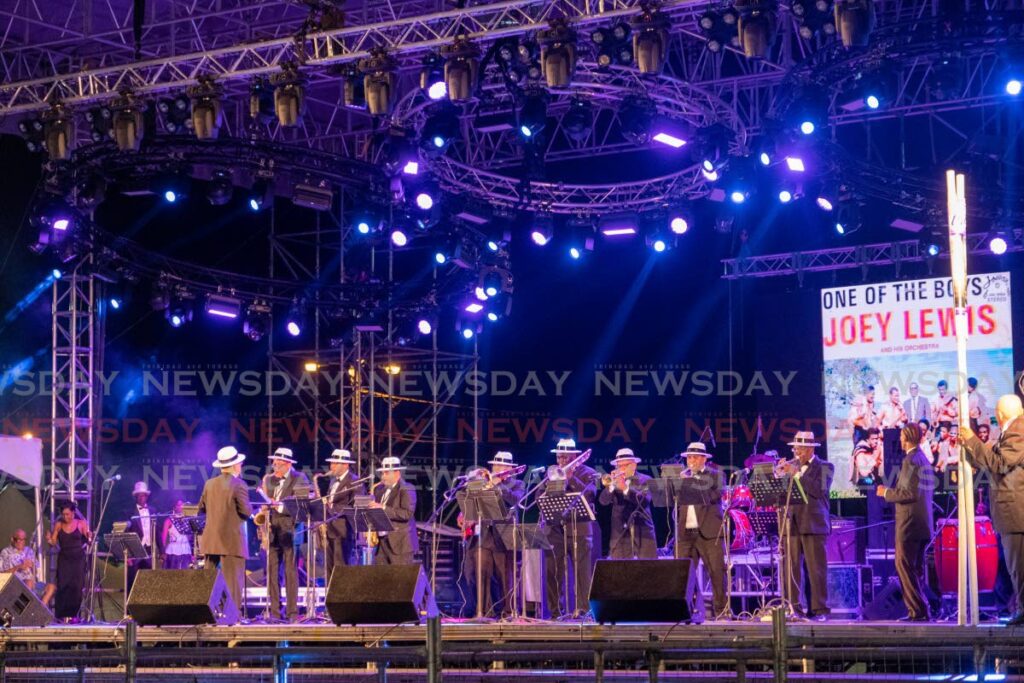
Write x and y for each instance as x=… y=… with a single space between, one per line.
x=135 y=524
x=1004 y=461
x=225 y=502
x=283 y=521
x=400 y=509
x=632 y=507
x=813 y=519
x=912 y=495
x=511 y=492
x=344 y=497
x=709 y=517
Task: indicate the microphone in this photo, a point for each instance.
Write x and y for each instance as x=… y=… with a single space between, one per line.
x=116 y=477
x=536 y=470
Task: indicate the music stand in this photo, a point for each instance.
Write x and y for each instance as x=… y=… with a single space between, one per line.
x=365 y=519
x=764 y=523
x=306 y=511
x=557 y=507
x=778 y=492
x=479 y=505
x=129 y=546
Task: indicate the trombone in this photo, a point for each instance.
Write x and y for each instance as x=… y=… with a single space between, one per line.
x=559 y=473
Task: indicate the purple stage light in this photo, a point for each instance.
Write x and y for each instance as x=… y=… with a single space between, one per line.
x=474 y=307
x=795 y=164
x=293 y=328
x=399 y=238
x=61 y=224
x=424 y=326
x=411 y=168
x=539 y=238
x=710 y=176
x=737 y=197
x=785 y=196
x=437 y=90
x=575 y=253
x=480 y=294
x=669 y=139
x=824 y=204
x=807 y=127
x=998 y=246
x=618 y=232
x=659 y=245
x=424 y=201
x=223 y=306
x=492 y=316
x=678 y=225
x=176 y=320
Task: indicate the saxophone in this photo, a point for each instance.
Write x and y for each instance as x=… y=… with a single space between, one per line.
x=262 y=521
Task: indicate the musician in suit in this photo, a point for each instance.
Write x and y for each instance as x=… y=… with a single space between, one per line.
x=632 y=527
x=917 y=407
x=398 y=500
x=341 y=493
x=700 y=528
x=808 y=527
x=1004 y=461
x=571 y=540
x=225 y=502
x=282 y=484
x=495 y=557
x=912 y=496
x=143 y=523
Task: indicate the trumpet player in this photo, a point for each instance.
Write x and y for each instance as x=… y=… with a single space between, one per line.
x=341 y=493
x=701 y=538
x=277 y=486
x=495 y=559
x=398 y=501
x=571 y=540
x=632 y=527
x=225 y=502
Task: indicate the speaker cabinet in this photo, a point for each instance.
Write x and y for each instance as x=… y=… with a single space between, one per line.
x=379 y=594
x=18 y=605
x=640 y=591
x=181 y=597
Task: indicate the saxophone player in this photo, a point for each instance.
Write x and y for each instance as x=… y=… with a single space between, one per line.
x=398 y=501
x=495 y=559
x=341 y=493
x=700 y=533
x=632 y=527
x=277 y=486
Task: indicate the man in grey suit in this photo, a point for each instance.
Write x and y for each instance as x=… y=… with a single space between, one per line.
x=1004 y=461
x=225 y=502
x=398 y=500
x=917 y=406
x=912 y=495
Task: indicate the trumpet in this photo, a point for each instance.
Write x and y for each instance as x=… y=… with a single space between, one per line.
x=785 y=467
x=609 y=479
x=686 y=474
x=559 y=473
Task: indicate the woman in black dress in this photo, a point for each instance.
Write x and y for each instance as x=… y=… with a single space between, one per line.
x=70 y=534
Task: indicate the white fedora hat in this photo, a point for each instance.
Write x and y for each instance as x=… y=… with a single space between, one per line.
x=390 y=464
x=502 y=458
x=228 y=456
x=803 y=439
x=624 y=455
x=566 y=446
x=341 y=456
x=283 y=454
x=697 y=448
x=141 y=487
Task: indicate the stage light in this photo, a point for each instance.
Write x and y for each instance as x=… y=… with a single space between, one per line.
x=557 y=53
x=378 y=81
x=399 y=238
x=785 y=196
x=411 y=168
x=578 y=121
x=934 y=249
x=824 y=203
x=424 y=201
x=636 y=116
x=480 y=293
x=432 y=77
x=997 y=245
x=669 y=140
x=115 y=303
x=178 y=315
x=437 y=141
x=207 y=111
x=539 y=238
x=619 y=225
x=260 y=195
x=223 y=306
x=310 y=366
x=257 y=321
x=1013 y=87
x=221 y=188
x=765 y=159
x=170 y=196
x=795 y=164
x=855 y=20
x=61 y=223
x=678 y=225
x=460 y=69
x=533 y=114
x=174 y=112
x=650 y=40
x=56 y=274
x=293 y=328
x=872 y=101
x=424 y=327
x=289 y=95
x=58 y=132
x=737 y=197
x=99 y=118
x=363 y=228
x=575 y=253
x=756 y=31
x=807 y=127
x=467 y=333
x=492 y=245
x=542 y=230
x=492 y=316
x=473 y=308
x=392 y=368
x=659 y=245
x=440 y=129
x=319 y=197
x=127 y=125
x=848 y=216
x=840 y=228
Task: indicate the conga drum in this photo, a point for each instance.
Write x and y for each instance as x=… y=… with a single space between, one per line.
x=948 y=545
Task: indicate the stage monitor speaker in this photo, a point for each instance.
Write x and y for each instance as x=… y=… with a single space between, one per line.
x=640 y=591
x=379 y=594
x=888 y=603
x=18 y=605
x=181 y=597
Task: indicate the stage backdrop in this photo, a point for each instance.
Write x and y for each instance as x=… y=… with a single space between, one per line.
x=894 y=334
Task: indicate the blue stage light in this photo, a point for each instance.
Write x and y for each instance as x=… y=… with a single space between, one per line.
x=293 y=328
x=872 y=101
x=659 y=245
x=575 y=252
x=998 y=246
x=115 y=303
x=807 y=127
x=738 y=197
x=467 y=333
x=399 y=238
x=525 y=130
x=934 y=249
x=785 y=196
x=492 y=316
x=170 y=196
x=424 y=326
x=56 y=273
x=176 y=320
x=1013 y=86
x=440 y=258
x=492 y=245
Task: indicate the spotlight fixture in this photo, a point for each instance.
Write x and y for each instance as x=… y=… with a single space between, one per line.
x=756 y=27
x=58 y=132
x=855 y=20
x=399 y=238
x=318 y=197
x=289 y=94
x=849 y=217
x=1013 y=86
x=636 y=116
x=261 y=195
x=424 y=326
x=558 y=53
x=678 y=224
x=256 y=324
x=533 y=114
x=613 y=45
x=785 y=196
x=795 y=164
x=127 y=122
x=432 y=81
x=99 y=120
x=439 y=129
x=578 y=121
x=997 y=245
x=293 y=322
x=658 y=241
x=174 y=112
x=220 y=188
x=424 y=200
x=207 y=114
x=719 y=29
x=933 y=249
x=670 y=133
x=379 y=81
x=460 y=69
x=650 y=41
x=813 y=17
x=581 y=240
x=808 y=113
x=619 y=225
x=353 y=95
x=221 y=306
x=824 y=203
x=542 y=230
x=261 y=102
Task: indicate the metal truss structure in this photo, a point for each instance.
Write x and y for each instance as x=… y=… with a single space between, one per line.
x=77 y=341
x=861 y=256
x=58 y=55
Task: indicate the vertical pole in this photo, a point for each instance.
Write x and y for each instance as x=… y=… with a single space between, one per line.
x=967 y=593
x=599 y=666
x=280 y=669
x=779 y=644
x=130 y=643
x=653 y=662
x=434 y=650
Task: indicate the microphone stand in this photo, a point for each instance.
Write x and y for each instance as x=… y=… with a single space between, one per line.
x=104 y=502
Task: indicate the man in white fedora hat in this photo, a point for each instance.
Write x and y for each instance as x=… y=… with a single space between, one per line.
x=398 y=500
x=809 y=526
x=281 y=485
x=143 y=523
x=495 y=559
x=632 y=527
x=341 y=493
x=225 y=502
x=700 y=528
x=572 y=541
